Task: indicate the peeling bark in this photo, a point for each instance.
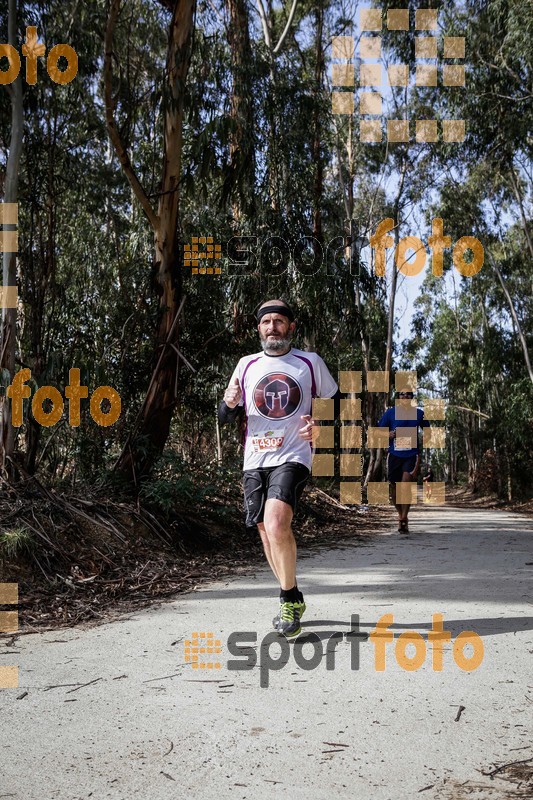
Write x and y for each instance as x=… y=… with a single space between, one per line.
x=9 y=315
x=150 y=431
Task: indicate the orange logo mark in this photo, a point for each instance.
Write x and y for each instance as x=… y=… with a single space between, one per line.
x=202 y=645
x=192 y=255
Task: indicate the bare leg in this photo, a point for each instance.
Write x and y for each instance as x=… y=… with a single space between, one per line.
x=277 y=526
x=406 y=478
x=399 y=508
x=266 y=547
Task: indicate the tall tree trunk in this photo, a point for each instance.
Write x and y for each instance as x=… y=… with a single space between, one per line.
x=150 y=431
x=46 y=263
x=241 y=144
x=451 y=451
x=317 y=134
x=376 y=456
x=274 y=155
x=9 y=315
x=514 y=315
x=275 y=160
x=218 y=436
x=352 y=252
x=509 y=477
x=471 y=453
x=317 y=171
x=353 y=241
x=518 y=194
x=392 y=302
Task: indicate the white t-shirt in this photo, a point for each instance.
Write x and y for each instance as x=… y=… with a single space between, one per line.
x=277 y=391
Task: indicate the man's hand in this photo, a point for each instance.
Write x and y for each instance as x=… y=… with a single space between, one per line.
x=307 y=431
x=392 y=435
x=233 y=394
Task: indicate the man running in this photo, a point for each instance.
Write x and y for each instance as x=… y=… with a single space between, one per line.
x=403 y=459
x=276 y=387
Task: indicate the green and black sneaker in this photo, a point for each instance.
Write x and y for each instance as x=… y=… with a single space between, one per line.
x=299 y=604
x=289 y=619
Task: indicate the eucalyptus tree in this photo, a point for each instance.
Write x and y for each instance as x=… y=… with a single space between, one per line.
x=152 y=424
x=11 y=196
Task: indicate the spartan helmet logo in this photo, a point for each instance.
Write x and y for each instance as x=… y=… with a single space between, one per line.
x=276 y=395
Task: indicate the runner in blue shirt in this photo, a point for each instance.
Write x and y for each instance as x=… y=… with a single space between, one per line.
x=403 y=459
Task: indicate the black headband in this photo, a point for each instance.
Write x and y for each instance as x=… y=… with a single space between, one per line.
x=285 y=310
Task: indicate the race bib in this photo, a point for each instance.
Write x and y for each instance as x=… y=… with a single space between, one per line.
x=406 y=438
x=268 y=441
x=403 y=443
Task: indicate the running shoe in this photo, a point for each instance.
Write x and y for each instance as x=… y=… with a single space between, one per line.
x=300 y=605
x=289 y=623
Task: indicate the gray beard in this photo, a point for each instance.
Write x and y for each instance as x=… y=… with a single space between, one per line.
x=277 y=346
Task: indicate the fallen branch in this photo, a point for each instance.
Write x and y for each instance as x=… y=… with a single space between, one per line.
x=331 y=499
x=163 y=678
x=504 y=766
x=84 y=684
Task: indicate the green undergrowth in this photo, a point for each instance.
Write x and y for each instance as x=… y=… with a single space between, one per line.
x=208 y=487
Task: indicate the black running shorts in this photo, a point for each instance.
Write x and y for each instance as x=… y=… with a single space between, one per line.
x=285 y=482
x=396 y=466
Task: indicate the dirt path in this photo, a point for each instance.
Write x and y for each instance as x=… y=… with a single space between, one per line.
x=116 y=711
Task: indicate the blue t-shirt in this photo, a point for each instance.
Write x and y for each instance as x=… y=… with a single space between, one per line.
x=389 y=420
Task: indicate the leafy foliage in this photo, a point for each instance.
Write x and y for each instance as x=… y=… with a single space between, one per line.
x=86 y=259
